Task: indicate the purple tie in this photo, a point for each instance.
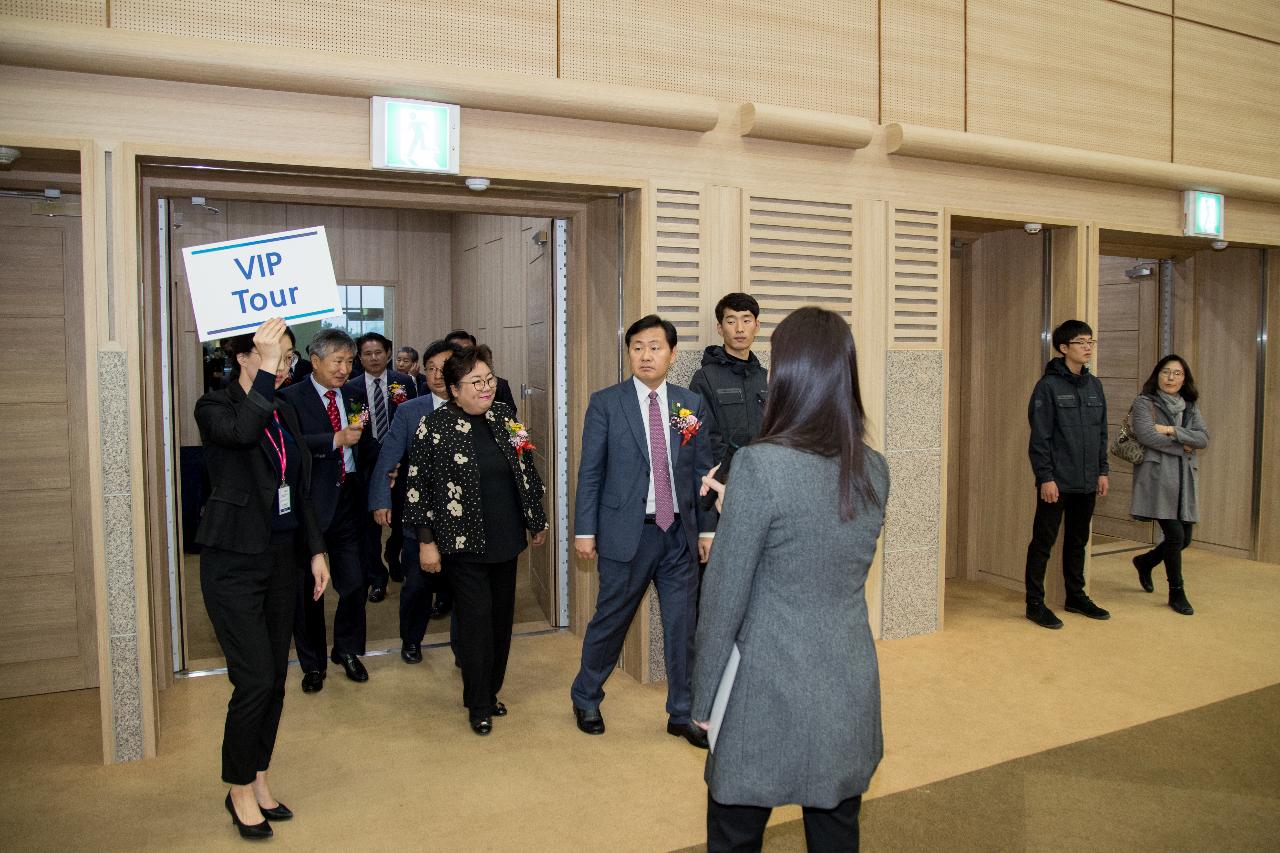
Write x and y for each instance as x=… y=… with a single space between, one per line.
x=664 y=513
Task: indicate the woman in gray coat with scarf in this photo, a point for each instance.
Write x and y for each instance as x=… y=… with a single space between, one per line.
x=1166 y=421
x=785 y=588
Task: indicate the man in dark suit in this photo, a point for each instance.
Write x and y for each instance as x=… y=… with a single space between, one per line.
x=407 y=363
x=645 y=449
x=384 y=389
x=502 y=394
x=325 y=409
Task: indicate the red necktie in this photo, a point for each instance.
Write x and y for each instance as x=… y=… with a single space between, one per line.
x=336 y=422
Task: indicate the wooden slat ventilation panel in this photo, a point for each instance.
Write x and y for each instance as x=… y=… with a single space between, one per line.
x=915 y=278
x=798 y=252
x=679 y=261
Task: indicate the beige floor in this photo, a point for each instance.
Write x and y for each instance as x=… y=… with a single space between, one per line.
x=392 y=765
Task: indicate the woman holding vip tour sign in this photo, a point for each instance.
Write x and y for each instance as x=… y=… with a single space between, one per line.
x=785 y=675
x=473 y=495
x=257 y=524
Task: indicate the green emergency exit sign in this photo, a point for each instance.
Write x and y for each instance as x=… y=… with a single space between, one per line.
x=413 y=136
x=1202 y=214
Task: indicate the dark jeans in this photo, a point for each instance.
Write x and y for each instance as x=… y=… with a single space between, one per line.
x=484 y=599
x=250 y=599
x=1177 y=536
x=1078 y=510
x=740 y=829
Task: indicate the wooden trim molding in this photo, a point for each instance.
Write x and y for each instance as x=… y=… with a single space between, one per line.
x=97 y=50
x=954 y=146
x=809 y=127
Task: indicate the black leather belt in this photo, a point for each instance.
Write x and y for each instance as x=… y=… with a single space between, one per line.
x=649 y=519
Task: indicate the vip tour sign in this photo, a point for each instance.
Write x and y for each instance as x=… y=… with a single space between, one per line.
x=237 y=285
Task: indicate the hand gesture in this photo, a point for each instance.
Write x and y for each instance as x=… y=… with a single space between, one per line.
x=585 y=547
x=382 y=516
x=709 y=484
x=1049 y=492
x=268 y=340
x=429 y=557
x=348 y=436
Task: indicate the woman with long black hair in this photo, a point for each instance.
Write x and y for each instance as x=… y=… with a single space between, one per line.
x=1166 y=420
x=256 y=527
x=783 y=603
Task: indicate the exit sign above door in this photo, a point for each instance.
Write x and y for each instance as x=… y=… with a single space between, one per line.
x=1202 y=214
x=413 y=136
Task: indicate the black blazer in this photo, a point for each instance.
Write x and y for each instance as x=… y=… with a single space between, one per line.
x=355 y=386
x=244 y=470
x=317 y=434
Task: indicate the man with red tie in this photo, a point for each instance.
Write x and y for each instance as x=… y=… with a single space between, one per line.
x=333 y=421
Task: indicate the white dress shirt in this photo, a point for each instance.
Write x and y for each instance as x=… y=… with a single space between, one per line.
x=348 y=458
x=437 y=402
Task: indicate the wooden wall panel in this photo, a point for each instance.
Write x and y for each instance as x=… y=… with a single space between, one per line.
x=515 y=35
x=1090 y=74
x=369 y=245
x=1259 y=18
x=1165 y=7
x=1227 y=101
x=819 y=55
x=29 y=286
x=424 y=298
x=34 y=525
x=92 y=12
x=679 y=224
x=922 y=62
x=915 y=275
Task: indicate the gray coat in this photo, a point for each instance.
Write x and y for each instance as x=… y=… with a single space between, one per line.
x=1166 y=465
x=785 y=582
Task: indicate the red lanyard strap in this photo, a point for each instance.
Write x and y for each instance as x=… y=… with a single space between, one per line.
x=280 y=449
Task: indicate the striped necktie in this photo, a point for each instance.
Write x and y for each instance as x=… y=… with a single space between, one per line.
x=379 y=410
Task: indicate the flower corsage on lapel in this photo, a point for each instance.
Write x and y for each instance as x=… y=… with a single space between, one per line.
x=357 y=414
x=684 y=422
x=519 y=437
x=398 y=396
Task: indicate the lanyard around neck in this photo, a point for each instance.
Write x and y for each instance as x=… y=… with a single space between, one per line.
x=281 y=450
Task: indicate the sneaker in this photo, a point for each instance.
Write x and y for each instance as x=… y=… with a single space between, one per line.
x=1043 y=616
x=1085 y=607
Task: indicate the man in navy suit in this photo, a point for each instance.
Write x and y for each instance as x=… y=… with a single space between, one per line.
x=637 y=509
x=324 y=408
x=384 y=389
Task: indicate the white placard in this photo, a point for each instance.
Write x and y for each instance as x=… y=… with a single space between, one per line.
x=236 y=285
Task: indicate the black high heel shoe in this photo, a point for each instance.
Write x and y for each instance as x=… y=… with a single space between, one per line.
x=280 y=812
x=1144 y=575
x=250 y=831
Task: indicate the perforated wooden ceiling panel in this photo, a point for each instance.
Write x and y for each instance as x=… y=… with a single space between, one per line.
x=1088 y=74
x=922 y=62
x=820 y=55
x=64 y=11
x=1227 y=112
x=511 y=35
x=915 y=278
x=798 y=252
x=679 y=260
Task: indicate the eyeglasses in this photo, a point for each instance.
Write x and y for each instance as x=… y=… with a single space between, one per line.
x=1084 y=342
x=1172 y=374
x=434 y=371
x=484 y=384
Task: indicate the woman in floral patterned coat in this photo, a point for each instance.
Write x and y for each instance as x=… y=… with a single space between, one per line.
x=473 y=495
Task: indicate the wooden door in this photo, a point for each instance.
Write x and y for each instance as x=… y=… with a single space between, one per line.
x=537 y=406
x=1002 y=304
x=47 y=635
x=1128 y=347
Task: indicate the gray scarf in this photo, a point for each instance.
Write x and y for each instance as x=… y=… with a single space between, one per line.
x=1174 y=404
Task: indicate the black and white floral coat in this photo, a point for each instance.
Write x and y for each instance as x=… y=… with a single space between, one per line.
x=442 y=485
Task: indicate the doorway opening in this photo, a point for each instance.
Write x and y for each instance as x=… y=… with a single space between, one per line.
x=1010 y=285
x=414 y=260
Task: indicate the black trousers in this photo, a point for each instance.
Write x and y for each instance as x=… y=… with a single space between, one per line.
x=740 y=829
x=417 y=593
x=370 y=547
x=348 y=581
x=484 y=599
x=250 y=599
x=1177 y=536
x=1077 y=509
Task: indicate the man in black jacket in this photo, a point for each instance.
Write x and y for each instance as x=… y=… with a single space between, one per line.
x=1068 y=449
x=731 y=379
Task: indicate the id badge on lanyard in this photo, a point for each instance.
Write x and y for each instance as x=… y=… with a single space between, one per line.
x=283 y=498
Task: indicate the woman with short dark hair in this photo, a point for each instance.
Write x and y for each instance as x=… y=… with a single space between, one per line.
x=786 y=679
x=474 y=497
x=255 y=528
x=1166 y=420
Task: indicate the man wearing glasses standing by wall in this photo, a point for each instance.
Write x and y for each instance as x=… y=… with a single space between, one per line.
x=1068 y=449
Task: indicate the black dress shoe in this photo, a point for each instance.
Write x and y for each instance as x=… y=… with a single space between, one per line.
x=589 y=722
x=694 y=734
x=498 y=710
x=355 y=670
x=255 y=830
x=411 y=653
x=1178 y=601
x=1144 y=575
x=312 y=682
x=377 y=593
x=1043 y=616
x=280 y=812
x=481 y=725
x=1085 y=607
x=439 y=610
